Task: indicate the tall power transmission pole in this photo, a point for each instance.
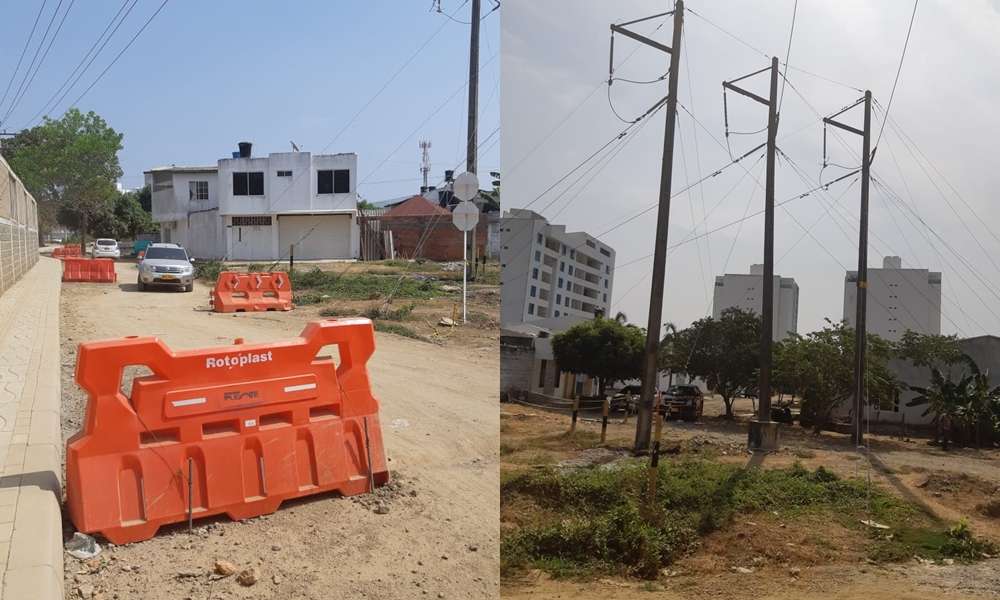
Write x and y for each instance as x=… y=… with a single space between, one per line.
x=473 y=137
x=763 y=431
x=861 y=306
x=644 y=423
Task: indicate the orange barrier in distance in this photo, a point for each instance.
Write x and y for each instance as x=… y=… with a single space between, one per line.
x=100 y=270
x=251 y=292
x=64 y=251
x=231 y=430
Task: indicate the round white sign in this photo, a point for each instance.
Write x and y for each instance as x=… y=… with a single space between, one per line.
x=465 y=216
x=466 y=186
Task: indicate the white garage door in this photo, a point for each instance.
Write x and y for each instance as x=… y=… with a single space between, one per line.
x=316 y=236
x=251 y=238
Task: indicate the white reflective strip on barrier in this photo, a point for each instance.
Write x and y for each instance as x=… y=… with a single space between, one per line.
x=190 y=402
x=299 y=388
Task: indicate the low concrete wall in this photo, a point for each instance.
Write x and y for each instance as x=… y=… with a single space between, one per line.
x=18 y=228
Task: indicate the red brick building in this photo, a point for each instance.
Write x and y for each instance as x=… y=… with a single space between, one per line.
x=418 y=222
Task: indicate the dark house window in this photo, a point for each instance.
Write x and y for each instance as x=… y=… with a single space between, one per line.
x=248 y=184
x=333 y=182
x=284 y=173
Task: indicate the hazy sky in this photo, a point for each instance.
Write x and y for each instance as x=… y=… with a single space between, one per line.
x=555 y=62
x=206 y=75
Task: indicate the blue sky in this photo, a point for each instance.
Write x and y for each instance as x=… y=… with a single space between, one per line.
x=206 y=75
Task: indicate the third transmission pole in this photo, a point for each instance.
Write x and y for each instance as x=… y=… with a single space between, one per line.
x=861 y=307
x=644 y=423
x=763 y=431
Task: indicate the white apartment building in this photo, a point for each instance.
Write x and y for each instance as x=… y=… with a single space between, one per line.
x=548 y=272
x=898 y=299
x=746 y=291
x=258 y=208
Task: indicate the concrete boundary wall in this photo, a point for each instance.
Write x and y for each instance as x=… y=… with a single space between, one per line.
x=18 y=228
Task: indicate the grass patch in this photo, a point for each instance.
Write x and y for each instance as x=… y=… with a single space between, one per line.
x=397 y=329
x=392 y=314
x=208 y=270
x=956 y=542
x=361 y=286
x=600 y=523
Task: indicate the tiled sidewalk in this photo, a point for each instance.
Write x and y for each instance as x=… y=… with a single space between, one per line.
x=31 y=561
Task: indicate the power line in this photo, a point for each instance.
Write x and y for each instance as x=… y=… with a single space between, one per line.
x=121 y=52
x=421 y=125
x=899 y=70
x=788 y=52
x=22 y=88
x=576 y=108
x=88 y=58
x=24 y=51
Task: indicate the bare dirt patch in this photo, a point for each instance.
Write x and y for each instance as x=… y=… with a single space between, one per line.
x=433 y=531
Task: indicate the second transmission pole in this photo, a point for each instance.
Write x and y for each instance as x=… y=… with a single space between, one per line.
x=861 y=306
x=763 y=431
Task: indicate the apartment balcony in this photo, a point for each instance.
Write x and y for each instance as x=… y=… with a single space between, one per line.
x=543 y=294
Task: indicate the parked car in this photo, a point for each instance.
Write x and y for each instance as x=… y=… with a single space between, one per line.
x=684 y=401
x=106 y=248
x=139 y=247
x=625 y=399
x=166 y=264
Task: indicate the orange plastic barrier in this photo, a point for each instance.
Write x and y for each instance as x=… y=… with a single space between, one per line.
x=232 y=429
x=250 y=292
x=101 y=270
x=64 y=251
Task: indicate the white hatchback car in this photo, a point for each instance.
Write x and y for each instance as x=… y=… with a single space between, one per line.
x=106 y=248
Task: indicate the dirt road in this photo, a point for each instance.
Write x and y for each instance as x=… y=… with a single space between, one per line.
x=440 y=538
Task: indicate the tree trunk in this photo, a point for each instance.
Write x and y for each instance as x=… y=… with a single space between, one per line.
x=83 y=234
x=600 y=388
x=728 y=401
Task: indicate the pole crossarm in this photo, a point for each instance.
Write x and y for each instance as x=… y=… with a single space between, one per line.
x=634 y=21
x=744 y=92
x=853 y=130
x=641 y=38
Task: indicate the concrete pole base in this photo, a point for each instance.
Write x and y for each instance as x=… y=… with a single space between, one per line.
x=763 y=435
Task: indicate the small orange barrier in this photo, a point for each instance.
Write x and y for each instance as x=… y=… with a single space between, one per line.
x=64 y=251
x=251 y=292
x=231 y=430
x=101 y=270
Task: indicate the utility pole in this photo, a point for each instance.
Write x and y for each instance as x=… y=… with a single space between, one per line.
x=763 y=433
x=473 y=124
x=861 y=306
x=649 y=369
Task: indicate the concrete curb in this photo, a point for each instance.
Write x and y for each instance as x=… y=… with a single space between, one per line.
x=31 y=485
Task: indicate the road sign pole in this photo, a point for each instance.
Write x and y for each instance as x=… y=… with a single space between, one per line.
x=465 y=273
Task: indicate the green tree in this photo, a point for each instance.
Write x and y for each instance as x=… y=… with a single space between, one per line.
x=491 y=199
x=124 y=219
x=723 y=352
x=71 y=164
x=145 y=197
x=819 y=369
x=601 y=348
x=929 y=350
x=964 y=408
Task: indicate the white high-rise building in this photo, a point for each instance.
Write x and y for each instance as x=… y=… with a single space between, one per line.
x=898 y=299
x=746 y=291
x=548 y=272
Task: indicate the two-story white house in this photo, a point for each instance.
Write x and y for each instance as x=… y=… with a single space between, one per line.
x=261 y=208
